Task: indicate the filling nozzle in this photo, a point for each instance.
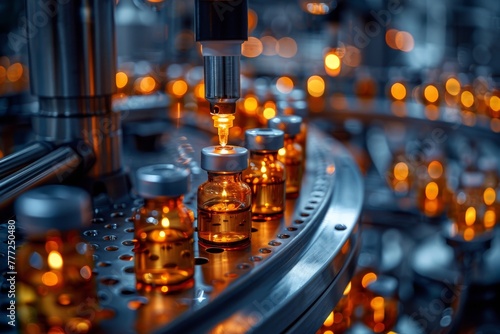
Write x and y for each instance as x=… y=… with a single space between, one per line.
x=223 y=122
x=222 y=83
x=221 y=28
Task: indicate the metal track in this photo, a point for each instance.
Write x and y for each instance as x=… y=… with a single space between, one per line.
x=288 y=280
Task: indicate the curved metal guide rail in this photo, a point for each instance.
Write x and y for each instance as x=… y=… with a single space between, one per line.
x=288 y=280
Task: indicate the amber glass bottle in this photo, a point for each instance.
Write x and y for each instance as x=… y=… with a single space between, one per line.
x=265 y=173
x=224 y=200
x=56 y=290
x=164 y=254
x=292 y=152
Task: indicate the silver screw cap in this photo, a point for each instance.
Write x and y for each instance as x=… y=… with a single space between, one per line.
x=264 y=139
x=162 y=180
x=290 y=124
x=53 y=207
x=224 y=159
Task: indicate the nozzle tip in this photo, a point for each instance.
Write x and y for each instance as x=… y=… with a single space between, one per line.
x=223 y=136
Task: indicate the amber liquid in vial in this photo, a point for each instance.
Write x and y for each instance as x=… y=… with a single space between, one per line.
x=164 y=257
x=164 y=254
x=267 y=199
x=224 y=224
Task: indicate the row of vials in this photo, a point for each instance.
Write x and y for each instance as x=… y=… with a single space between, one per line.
x=243 y=185
x=55 y=264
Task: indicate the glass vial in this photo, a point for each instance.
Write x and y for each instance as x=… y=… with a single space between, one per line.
x=164 y=253
x=265 y=173
x=432 y=191
x=224 y=200
x=56 y=289
x=469 y=210
x=292 y=152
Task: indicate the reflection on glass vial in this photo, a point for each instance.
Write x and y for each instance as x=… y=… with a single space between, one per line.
x=224 y=200
x=292 y=152
x=265 y=174
x=56 y=290
x=164 y=253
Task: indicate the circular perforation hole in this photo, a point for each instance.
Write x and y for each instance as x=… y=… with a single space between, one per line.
x=128 y=291
x=128 y=242
x=126 y=257
x=283 y=236
x=90 y=233
x=309 y=208
x=97 y=220
x=313 y=201
x=304 y=214
x=274 y=243
x=298 y=221
x=214 y=250
x=111 y=248
x=129 y=270
x=129 y=230
x=265 y=250
x=243 y=266
x=255 y=258
x=231 y=274
x=111 y=226
x=291 y=229
x=109 y=280
x=129 y=220
x=103 y=296
x=103 y=264
x=94 y=247
x=110 y=237
x=117 y=214
x=136 y=303
x=200 y=260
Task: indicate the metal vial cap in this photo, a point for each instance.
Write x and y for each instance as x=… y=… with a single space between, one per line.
x=53 y=207
x=290 y=124
x=162 y=180
x=224 y=159
x=264 y=139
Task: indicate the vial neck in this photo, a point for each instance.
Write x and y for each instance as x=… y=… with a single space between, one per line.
x=169 y=202
x=224 y=177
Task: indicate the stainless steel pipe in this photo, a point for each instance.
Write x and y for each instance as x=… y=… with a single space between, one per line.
x=21 y=158
x=71 y=48
x=72 y=71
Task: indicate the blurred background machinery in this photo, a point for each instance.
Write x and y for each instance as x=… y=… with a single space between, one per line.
x=394 y=229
